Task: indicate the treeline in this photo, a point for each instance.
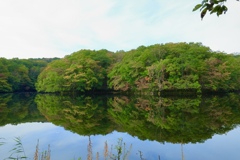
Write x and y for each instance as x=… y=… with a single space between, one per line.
x=156 y=68
x=147 y=69
x=20 y=75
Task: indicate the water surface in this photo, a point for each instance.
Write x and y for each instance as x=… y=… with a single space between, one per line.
x=151 y=127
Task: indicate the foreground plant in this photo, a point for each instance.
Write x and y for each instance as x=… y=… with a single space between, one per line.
x=122 y=151
x=45 y=155
x=118 y=152
x=18 y=151
x=2 y=141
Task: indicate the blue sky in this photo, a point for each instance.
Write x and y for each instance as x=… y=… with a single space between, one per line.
x=43 y=28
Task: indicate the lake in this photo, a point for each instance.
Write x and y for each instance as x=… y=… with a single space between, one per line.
x=71 y=127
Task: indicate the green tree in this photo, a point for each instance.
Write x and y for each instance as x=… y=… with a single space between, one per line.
x=84 y=70
x=51 y=78
x=83 y=75
x=19 y=78
x=20 y=75
x=175 y=67
x=131 y=73
x=5 y=86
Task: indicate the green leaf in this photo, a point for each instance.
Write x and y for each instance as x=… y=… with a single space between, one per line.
x=215 y=9
x=1 y=142
x=204 y=1
x=210 y=6
x=225 y=9
x=219 y=11
x=203 y=13
x=214 y=2
x=197 y=7
x=203 y=6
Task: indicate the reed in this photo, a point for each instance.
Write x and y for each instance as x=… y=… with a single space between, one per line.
x=17 y=152
x=106 y=151
x=97 y=156
x=118 y=152
x=122 y=151
x=2 y=141
x=141 y=155
x=89 y=157
x=46 y=155
x=36 y=151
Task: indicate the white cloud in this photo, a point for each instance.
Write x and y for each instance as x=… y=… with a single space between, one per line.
x=56 y=28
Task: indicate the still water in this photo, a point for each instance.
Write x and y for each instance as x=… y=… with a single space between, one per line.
x=166 y=128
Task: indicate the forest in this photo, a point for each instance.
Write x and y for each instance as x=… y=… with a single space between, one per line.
x=20 y=75
x=185 y=67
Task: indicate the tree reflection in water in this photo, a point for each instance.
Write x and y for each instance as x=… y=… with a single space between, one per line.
x=178 y=120
x=164 y=119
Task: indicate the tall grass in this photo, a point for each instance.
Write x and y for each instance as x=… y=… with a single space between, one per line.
x=18 y=151
x=2 y=141
x=105 y=151
x=45 y=155
x=89 y=156
x=117 y=152
x=120 y=151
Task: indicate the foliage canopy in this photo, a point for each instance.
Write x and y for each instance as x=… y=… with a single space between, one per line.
x=188 y=67
x=81 y=71
x=175 y=66
x=20 y=75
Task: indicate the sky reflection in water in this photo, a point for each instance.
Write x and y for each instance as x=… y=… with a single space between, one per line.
x=67 y=145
